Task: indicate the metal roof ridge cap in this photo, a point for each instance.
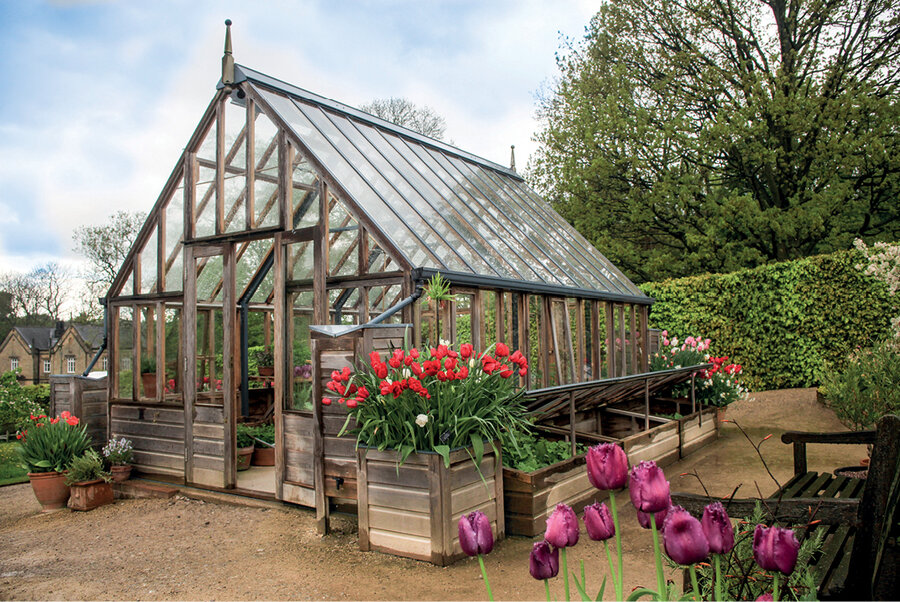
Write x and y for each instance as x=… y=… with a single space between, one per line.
x=243 y=73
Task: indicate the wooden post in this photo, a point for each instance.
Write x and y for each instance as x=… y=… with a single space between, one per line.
x=799 y=458
x=646 y=405
x=285 y=182
x=318 y=442
x=645 y=338
x=320 y=260
x=190 y=190
x=633 y=338
x=250 y=180
x=189 y=344
x=580 y=340
x=524 y=324
x=499 y=315
x=476 y=318
x=229 y=328
x=611 y=359
x=160 y=351
x=596 y=341
x=280 y=350
x=622 y=363
x=220 y=167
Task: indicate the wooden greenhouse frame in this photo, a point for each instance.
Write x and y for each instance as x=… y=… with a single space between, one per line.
x=294 y=223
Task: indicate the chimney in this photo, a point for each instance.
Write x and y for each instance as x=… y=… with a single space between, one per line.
x=59 y=330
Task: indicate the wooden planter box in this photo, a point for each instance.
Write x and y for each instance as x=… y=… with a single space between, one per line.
x=530 y=497
x=90 y=494
x=414 y=512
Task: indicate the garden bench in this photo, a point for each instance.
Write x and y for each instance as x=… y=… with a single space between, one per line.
x=859 y=557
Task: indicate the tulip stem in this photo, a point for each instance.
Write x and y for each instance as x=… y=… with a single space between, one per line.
x=565 y=570
x=617 y=577
x=660 y=580
x=717 y=558
x=487 y=584
x=612 y=571
x=547 y=588
x=775 y=587
x=694 y=583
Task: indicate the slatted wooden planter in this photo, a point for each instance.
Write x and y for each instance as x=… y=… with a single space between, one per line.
x=529 y=498
x=414 y=511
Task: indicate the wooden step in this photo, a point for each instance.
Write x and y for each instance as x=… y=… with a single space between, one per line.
x=134 y=489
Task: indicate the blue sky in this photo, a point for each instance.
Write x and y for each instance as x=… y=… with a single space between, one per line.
x=101 y=96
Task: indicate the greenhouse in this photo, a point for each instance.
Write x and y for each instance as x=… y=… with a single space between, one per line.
x=292 y=222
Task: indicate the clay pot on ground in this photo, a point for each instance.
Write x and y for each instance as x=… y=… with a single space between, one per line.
x=50 y=489
x=263 y=455
x=266 y=370
x=121 y=472
x=88 y=495
x=244 y=454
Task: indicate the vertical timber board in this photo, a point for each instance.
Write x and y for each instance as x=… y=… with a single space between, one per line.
x=476 y=320
x=362 y=500
x=498 y=493
x=545 y=341
x=285 y=181
x=280 y=355
x=318 y=440
x=567 y=333
x=190 y=180
x=633 y=338
x=438 y=507
x=555 y=340
x=220 y=167
x=160 y=335
x=499 y=315
x=161 y=251
x=250 y=156
x=228 y=396
x=611 y=371
x=320 y=259
x=622 y=362
x=523 y=333
x=580 y=346
x=136 y=352
x=596 y=367
x=189 y=344
x=452 y=305
x=645 y=338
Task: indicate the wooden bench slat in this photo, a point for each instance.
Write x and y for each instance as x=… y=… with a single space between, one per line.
x=817 y=485
x=837 y=484
x=825 y=564
x=797 y=486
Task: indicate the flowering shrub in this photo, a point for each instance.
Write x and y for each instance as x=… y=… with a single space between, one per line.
x=884 y=264
x=436 y=399
x=118 y=452
x=50 y=445
x=17 y=403
x=720 y=385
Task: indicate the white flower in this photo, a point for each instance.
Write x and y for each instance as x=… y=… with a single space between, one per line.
x=422 y=419
x=406 y=373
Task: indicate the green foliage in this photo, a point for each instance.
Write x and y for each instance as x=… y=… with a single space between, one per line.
x=782 y=321
x=532 y=452
x=49 y=445
x=17 y=403
x=745 y=580
x=679 y=143
x=867 y=388
x=259 y=356
x=11 y=471
x=263 y=432
x=245 y=436
x=118 y=452
x=86 y=467
x=148 y=365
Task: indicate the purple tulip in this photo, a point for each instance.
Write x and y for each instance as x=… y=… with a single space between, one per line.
x=644 y=518
x=717 y=528
x=475 y=536
x=599 y=523
x=775 y=549
x=562 y=527
x=649 y=488
x=607 y=466
x=544 y=561
x=683 y=537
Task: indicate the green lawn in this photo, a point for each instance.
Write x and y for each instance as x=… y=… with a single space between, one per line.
x=10 y=471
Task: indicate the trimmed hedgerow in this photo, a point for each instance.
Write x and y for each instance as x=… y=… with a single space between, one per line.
x=783 y=321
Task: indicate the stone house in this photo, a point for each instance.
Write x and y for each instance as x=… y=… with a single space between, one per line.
x=39 y=351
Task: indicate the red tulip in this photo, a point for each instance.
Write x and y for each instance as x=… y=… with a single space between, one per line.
x=649 y=488
x=607 y=466
x=501 y=350
x=683 y=537
x=644 y=519
x=775 y=549
x=562 y=527
x=717 y=528
x=599 y=522
x=475 y=535
x=544 y=561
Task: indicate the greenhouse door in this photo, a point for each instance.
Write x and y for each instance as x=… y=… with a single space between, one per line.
x=209 y=385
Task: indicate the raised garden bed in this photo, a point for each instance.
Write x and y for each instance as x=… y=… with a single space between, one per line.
x=413 y=510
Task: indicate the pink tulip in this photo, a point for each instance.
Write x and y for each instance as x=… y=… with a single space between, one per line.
x=775 y=548
x=717 y=528
x=475 y=535
x=607 y=466
x=649 y=488
x=599 y=523
x=544 y=561
x=562 y=527
x=683 y=537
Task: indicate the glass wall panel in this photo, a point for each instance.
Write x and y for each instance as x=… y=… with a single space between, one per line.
x=382 y=298
x=209 y=356
x=535 y=345
x=379 y=260
x=463 y=319
x=125 y=351
x=173 y=379
x=209 y=278
x=251 y=256
x=300 y=260
x=174 y=265
x=344 y=306
x=149 y=266
x=147 y=342
x=343 y=239
x=236 y=167
x=299 y=393
x=265 y=202
x=205 y=208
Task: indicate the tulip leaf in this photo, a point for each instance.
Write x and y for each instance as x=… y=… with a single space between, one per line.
x=444 y=451
x=642 y=591
x=478 y=446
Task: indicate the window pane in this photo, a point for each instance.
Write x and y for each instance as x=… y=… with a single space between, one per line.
x=148 y=367
x=174 y=265
x=173 y=379
x=148 y=264
x=265 y=202
x=125 y=345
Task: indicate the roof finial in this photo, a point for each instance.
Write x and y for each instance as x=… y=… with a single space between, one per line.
x=512 y=157
x=227 y=59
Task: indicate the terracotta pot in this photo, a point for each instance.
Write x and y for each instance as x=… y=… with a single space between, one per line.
x=721 y=414
x=243 y=457
x=148 y=380
x=120 y=473
x=50 y=489
x=263 y=456
x=266 y=370
x=88 y=495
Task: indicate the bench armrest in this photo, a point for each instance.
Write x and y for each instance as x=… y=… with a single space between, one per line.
x=799 y=439
x=796 y=511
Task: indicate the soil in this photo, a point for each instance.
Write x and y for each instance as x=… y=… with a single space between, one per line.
x=184 y=548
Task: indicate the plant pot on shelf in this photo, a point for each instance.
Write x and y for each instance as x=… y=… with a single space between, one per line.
x=414 y=510
x=266 y=370
x=120 y=472
x=148 y=381
x=88 y=495
x=244 y=454
x=263 y=455
x=50 y=489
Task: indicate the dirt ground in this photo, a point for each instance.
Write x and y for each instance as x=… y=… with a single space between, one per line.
x=185 y=548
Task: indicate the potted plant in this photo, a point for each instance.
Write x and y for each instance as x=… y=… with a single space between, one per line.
x=264 y=445
x=148 y=376
x=265 y=361
x=428 y=426
x=245 y=445
x=46 y=448
x=89 y=482
x=119 y=454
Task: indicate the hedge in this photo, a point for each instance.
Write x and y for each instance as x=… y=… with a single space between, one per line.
x=781 y=321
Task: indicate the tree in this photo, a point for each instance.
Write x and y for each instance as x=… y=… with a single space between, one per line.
x=404 y=112
x=706 y=135
x=106 y=246
x=34 y=298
